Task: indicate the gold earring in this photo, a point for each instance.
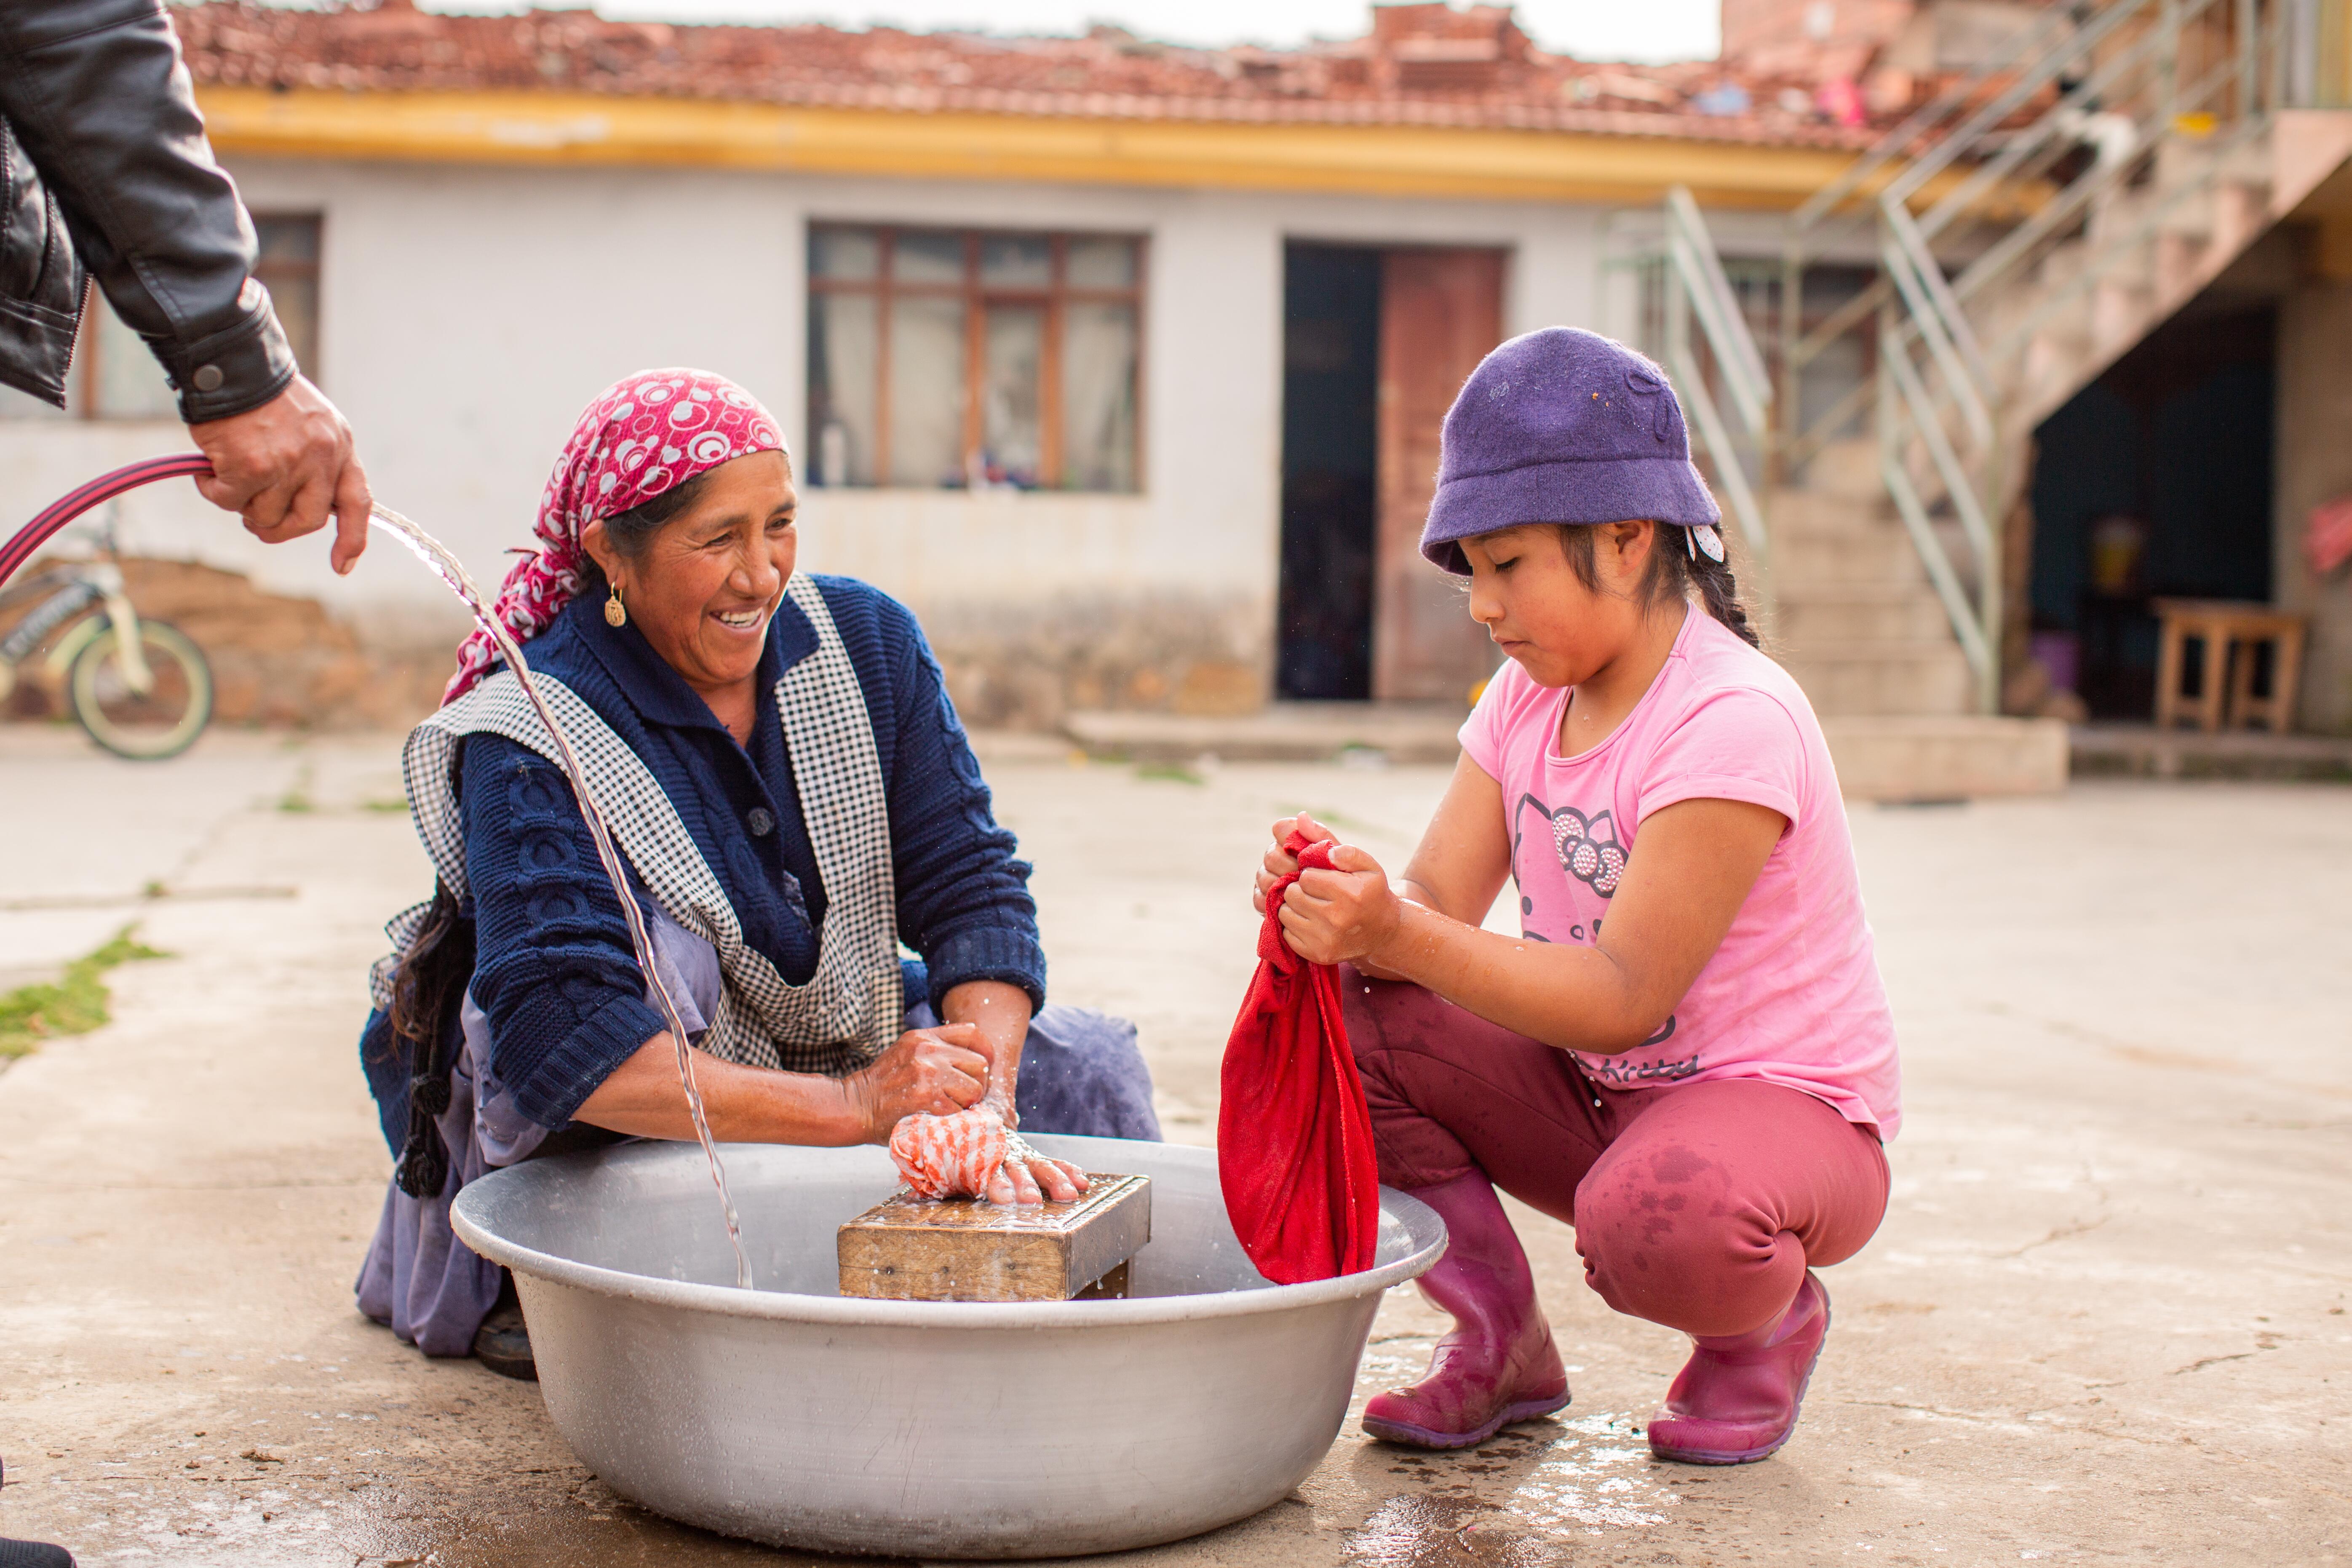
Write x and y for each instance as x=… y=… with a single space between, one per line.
x=615 y=612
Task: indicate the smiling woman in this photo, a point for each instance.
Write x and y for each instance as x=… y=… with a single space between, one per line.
x=797 y=801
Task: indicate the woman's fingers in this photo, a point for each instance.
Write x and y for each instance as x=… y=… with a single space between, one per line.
x=1012 y=1183
x=1063 y=1182
x=1037 y=1181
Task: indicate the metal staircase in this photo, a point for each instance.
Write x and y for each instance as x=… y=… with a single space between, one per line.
x=2021 y=232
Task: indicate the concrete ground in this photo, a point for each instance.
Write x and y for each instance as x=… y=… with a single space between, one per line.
x=2105 y=1321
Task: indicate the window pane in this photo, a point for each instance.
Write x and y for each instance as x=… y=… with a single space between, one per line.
x=926 y=392
x=130 y=384
x=1009 y=428
x=846 y=255
x=293 y=240
x=296 y=300
x=1015 y=261
x=1102 y=263
x=842 y=359
x=929 y=256
x=1098 y=351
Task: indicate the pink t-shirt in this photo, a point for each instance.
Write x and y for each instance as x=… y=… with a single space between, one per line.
x=1793 y=996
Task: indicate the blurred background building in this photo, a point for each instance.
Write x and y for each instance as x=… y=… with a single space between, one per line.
x=1122 y=363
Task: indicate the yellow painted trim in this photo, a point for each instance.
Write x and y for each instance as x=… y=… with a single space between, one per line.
x=1367 y=160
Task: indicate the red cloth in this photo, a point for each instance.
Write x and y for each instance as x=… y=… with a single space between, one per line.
x=1293 y=1139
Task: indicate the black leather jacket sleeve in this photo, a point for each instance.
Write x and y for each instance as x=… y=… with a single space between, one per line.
x=101 y=109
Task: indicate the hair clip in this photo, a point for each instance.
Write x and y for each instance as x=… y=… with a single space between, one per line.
x=1707 y=539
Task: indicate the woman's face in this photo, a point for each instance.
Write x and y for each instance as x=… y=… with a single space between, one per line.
x=703 y=587
x=1524 y=591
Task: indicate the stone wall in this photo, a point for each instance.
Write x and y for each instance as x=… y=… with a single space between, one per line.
x=276 y=660
x=1025 y=668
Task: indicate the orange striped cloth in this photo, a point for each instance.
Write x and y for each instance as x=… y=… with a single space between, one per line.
x=952 y=1156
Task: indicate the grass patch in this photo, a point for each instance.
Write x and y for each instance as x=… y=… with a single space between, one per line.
x=74 y=1004
x=390 y=804
x=296 y=797
x=1169 y=773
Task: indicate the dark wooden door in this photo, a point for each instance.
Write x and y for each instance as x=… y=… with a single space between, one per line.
x=1441 y=311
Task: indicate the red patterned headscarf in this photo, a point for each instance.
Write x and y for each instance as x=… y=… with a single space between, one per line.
x=643 y=435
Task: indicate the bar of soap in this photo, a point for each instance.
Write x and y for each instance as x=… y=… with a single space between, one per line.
x=910 y=1249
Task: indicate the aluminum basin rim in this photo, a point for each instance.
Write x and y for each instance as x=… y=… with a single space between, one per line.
x=726 y=1301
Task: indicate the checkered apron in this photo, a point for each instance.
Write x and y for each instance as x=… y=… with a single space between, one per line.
x=850 y=1007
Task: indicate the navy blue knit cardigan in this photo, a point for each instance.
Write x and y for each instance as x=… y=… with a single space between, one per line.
x=553 y=968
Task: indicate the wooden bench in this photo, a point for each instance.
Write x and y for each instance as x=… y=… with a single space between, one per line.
x=2231 y=632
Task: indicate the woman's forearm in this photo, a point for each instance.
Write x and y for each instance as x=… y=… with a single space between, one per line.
x=642 y=1098
x=1001 y=1013
x=1566 y=994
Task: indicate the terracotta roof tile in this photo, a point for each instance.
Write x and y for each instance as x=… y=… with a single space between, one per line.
x=1422 y=65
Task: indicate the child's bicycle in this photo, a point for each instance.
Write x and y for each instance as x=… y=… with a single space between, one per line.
x=143 y=691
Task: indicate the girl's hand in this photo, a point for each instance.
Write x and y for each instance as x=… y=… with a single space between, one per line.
x=1348 y=913
x=1279 y=862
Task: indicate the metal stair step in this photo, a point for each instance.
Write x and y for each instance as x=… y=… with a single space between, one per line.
x=1814 y=513
x=1825 y=615
x=1883 y=556
x=1847 y=467
x=1894 y=677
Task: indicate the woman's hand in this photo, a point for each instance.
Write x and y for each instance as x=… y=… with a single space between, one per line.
x=1036 y=1181
x=1279 y=862
x=1348 y=913
x=938 y=1070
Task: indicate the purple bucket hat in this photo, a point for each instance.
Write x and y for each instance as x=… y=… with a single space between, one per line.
x=1562 y=425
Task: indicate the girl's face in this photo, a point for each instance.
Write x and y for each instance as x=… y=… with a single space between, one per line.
x=1529 y=597
x=704 y=586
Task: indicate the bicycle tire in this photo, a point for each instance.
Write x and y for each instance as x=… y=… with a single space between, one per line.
x=163 y=644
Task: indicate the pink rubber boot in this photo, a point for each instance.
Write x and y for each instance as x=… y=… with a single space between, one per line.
x=1736 y=1400
x=1499 y=1366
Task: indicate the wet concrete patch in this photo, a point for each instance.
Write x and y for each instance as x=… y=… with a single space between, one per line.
x=1519 y=1500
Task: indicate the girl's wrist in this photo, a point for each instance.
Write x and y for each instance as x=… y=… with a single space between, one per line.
x=1392 y=953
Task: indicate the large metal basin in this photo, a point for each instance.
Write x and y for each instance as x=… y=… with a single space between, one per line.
x=799 y=1417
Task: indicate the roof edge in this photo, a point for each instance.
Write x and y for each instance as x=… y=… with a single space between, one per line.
x=519 y=127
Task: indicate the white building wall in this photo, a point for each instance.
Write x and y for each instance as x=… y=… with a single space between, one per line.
x=469 y=313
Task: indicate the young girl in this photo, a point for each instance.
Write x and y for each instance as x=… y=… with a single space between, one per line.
x=1688 y=1055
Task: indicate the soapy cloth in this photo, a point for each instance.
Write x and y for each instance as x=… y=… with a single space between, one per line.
x=957 y=1156
x=1294 y=1139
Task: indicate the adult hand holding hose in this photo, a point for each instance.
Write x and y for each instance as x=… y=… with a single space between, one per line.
x=285 y=466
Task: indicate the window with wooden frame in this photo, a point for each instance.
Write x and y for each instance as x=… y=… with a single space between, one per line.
x=115 y=375
x=959 y=359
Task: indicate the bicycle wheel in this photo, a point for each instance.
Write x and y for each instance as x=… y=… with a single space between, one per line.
x=163 y=723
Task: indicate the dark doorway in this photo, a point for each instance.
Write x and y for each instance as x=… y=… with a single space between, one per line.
x=1331 y=344
x=2154 y=482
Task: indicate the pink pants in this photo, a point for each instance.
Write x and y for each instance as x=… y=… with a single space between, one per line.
x=1696 y=1205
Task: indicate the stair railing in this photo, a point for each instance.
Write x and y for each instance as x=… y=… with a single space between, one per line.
x=2041 y=147
x=1697 y=290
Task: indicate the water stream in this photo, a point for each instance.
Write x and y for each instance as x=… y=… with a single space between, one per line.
x=445 y=566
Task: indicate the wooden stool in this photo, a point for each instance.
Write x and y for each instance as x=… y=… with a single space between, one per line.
x=2225 y=697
